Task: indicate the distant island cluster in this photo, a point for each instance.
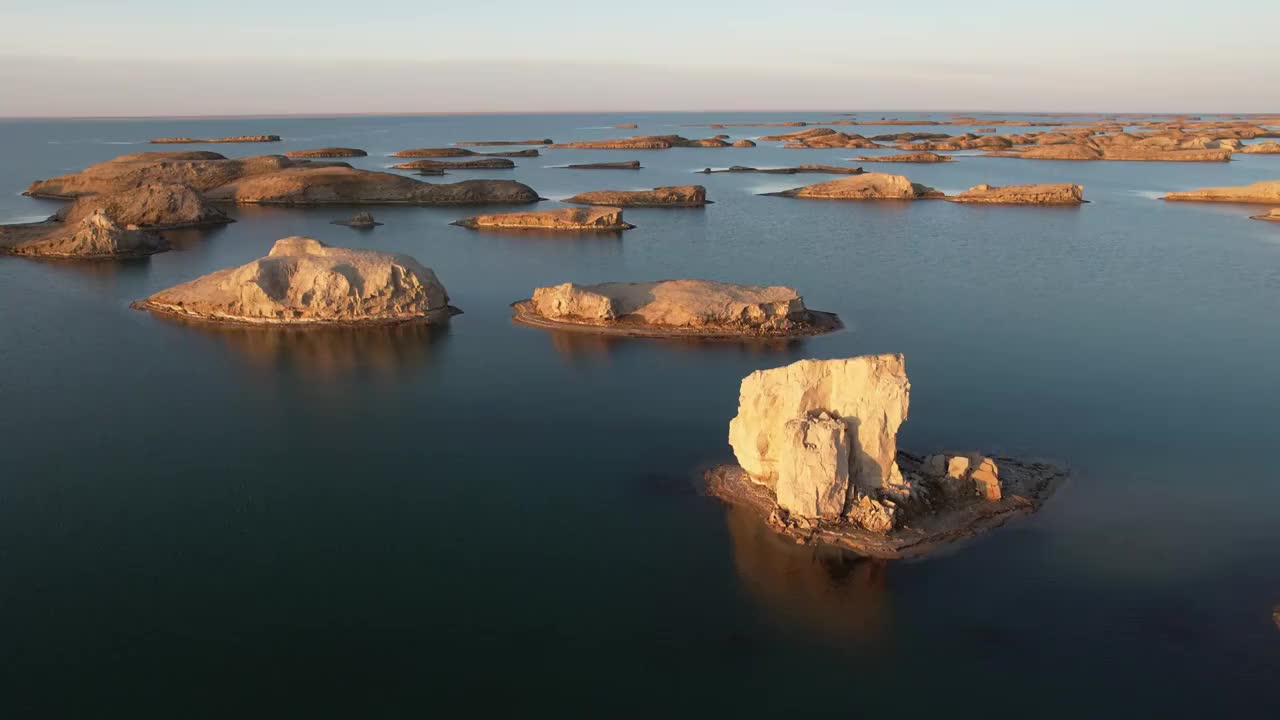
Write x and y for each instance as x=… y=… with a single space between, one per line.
x=815 y=441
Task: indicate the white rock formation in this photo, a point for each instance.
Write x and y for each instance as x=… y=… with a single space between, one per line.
x=304 y=281
x=784 y=439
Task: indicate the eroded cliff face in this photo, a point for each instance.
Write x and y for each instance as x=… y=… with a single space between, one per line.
x=95 y=236
x=305 y=282
x=1050 y=194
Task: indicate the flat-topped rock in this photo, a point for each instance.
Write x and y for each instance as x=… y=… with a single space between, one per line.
x=1273 y=216
x=499 y=143
x=625 y=165
x=93 y=237
x=1267 y=148
x=817 y=459
x=482 y=164
x=329 y=152
x=305 y=282
x=799 y=169
x=154 y=206
x=200 y=171
x=744 y=144
x=1115 y=152
x=626 y=126
x=867 y=186
x=1260 y=192
x=911 y=157
x=231 y=139
x=343 y=185
x=671 y=196
x=640 y=142
x=433 y=152
x=604 y=219
x=680 y=308
x=359 y=220
x=1051 y=194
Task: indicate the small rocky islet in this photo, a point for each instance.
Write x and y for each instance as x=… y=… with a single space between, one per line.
x=817 y=461
x=674 y=308
x=230 y=139
x=304 y=282
x=594 y=219
x=674 y=196
x=799 y=169
x=329 y=152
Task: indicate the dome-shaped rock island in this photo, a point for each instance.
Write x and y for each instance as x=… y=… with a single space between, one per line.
x=671 y=196
x=674 y=308
x=303 y=282
x=604 y=219
x=816 y=445
x=867 y=186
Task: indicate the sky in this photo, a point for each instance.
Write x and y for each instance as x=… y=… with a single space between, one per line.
x=234 y=57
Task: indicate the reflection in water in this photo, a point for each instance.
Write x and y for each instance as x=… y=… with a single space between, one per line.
x=189 y=238
x=833 y=593
x=584 y=347
x=380 y=350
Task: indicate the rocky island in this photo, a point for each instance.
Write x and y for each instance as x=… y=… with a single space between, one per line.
x=625 y=165
x=1267 y=191
x=1273 y=216
x=153 y=206
x=93 y=237
x=639 y=142
x=1055 y=194
x=606 y=219
x=820 y=169
x=344 y=185
x=484 y=164
x=330 y=152
x=461 y=152
x=361 y=220
x=671 y=196
x=500 y=143
x=911 y=157
x=816 y=445
x=303 y=282
x=867 y=186
x=199 y=170
x=232 y=139
x=674 y=308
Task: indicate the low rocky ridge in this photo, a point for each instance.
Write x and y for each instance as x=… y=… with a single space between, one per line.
x=305 y=282
x=154 y=206
x=232 y=139
x=1055 y=194
x=821 y=169
x=625 y=165
x=484 y=164
x=330 y=152
x=680 y=308
x=200 y=171
x=1259 y=192
x=670 y=196
x=1273 y=216
x=816 y=445
x=1267 y=148
x=344 y=185
x=461 y=152
x=867 y=186
x=499 y=143
x=93 y=237
x=646 y=142
x=603 y=219
x=914 y=157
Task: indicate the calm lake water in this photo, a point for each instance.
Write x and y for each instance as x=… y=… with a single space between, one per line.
x=385 y=523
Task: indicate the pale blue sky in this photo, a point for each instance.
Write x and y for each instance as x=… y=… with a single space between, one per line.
x=142 y=57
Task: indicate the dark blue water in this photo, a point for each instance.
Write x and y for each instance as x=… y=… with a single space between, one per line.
x=381 y=524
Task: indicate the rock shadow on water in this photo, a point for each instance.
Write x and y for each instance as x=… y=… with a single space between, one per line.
x=834 y=594
x=584 y=348
x=381 y=351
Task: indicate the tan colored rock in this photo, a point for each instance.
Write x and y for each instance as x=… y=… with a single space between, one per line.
x=498 y=143
x=1267 y=148
x=915 y=157
x=867 y=186
x=1273 y=216
x=671 y=196
x=154 y=206
x=329 y=152
x=699 y=306
x=966 y=475
x=232 y=139
x=1054 y=152
x=877 y=516
x=1054 y=194
x=639 y=142
x=869 y=394
x=305 y=282
x=201 y=171
x=625 y=165
x=482 y=164
x=344 y=185
x=434 y=152
x=94 y=237
x=626 y=126
x=1259 y=192
x=599 y=219
x=707 y=143
x=1134 y=154
x=744 y=144
x=813 y=467
x=817 y=169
